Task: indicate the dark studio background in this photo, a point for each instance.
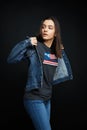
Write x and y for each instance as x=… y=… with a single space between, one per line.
x=69 y=102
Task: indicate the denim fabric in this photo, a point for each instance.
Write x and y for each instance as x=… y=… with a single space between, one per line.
x=25 y=50
x=39 y=112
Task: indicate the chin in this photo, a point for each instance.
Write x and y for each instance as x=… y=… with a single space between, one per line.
x=45 y=38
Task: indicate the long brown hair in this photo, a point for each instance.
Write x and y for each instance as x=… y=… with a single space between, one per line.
x=57 y=45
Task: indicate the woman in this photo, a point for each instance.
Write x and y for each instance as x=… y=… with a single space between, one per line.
x=48 y=65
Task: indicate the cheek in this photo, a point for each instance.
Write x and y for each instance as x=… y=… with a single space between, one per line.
x=51 y=34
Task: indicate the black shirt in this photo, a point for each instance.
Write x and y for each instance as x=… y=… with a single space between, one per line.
x=49 y=62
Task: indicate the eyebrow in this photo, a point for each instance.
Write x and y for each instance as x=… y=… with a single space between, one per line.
x=48 y=25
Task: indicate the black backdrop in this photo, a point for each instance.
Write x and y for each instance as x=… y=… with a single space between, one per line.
x=69 y=101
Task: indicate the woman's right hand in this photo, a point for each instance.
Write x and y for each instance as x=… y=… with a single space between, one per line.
x=33 y=40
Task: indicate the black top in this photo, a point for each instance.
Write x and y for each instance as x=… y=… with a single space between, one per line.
x=50 y=62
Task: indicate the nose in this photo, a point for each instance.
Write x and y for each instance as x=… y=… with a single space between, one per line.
x=45 y=29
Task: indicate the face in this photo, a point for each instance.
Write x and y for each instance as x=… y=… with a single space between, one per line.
x=48 y=30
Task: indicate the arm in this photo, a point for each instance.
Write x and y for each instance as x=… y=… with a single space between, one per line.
x=18 y=51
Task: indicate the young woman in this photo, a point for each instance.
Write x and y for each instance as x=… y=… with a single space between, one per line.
x=48 y=65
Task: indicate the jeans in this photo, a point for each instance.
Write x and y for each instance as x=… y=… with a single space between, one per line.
x=39 y=112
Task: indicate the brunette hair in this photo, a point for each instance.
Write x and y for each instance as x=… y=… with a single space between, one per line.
x=57 y=45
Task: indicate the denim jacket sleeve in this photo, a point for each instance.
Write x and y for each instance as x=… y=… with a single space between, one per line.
x=18 y=51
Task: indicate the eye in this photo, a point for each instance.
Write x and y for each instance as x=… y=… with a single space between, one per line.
x=43 y=26
x=50 y=27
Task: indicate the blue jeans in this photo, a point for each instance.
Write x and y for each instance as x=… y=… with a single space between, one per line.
x=39 y=112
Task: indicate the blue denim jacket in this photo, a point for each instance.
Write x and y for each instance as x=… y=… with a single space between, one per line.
x=25 y=50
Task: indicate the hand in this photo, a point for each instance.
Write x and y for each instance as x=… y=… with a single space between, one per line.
x=33 y=41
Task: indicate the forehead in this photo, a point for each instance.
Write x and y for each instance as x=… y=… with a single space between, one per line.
x=48 y=22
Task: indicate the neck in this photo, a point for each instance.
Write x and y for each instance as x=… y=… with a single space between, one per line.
x=48 y=43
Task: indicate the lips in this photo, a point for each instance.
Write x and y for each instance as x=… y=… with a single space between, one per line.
x=45 y=34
